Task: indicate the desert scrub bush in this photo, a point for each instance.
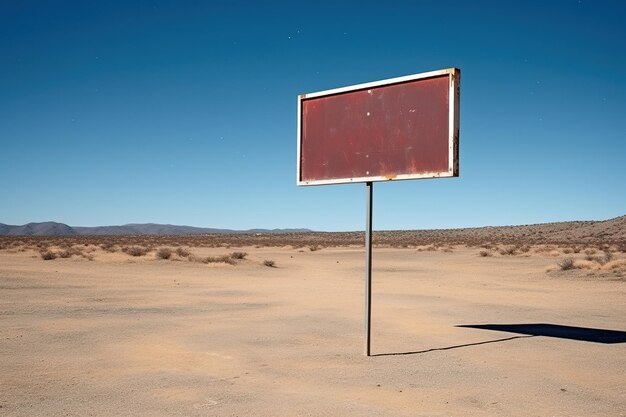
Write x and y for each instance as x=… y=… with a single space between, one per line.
x=48 y=255
x=65 y=253
x=608 y=257
x=485 y=253
x=566 y=264
x=109 y=247
x=217 y=259
x=134 y=250
x=508 y=250
x=590 y=251
x=238 y=255
x=616 y=264
x=269 y=263
x=182 y=252
x=164 y=253
x=314 y=248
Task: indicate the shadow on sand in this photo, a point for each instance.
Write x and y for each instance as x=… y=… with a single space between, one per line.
x=584 y=334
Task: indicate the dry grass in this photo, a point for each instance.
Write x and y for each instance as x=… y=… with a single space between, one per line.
x=164 y=253
x=566 y=264
x=508 y=251
x=135 y=250
x=593 y=263
x=182 y=252
x=48 y=255
x=218 y=259
x=238 y=255
x=269 y=263
x=485 y=253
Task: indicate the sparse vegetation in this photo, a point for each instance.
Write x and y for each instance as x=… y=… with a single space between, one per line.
x=218 y=259
x=65 y=253
x=182 y=252
x=238 y=255
x=508 y=250
x=109 y=247
x=134 y=250
x=48 y=255
x=269 y=263
x=566 y=264
x=485 y=253
x=164 y=253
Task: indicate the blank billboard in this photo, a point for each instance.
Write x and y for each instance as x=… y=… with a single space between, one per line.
x=401 y=128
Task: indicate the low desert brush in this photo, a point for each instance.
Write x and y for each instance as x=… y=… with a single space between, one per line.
x=182 y=252
x=509 y=250
x=164 y=253
x=218 y=259
x=48 y=255
x=134 y=250
x=566 y=264
x=269 y=263
x=485 y=253
x=238 y=255
x=66 y=253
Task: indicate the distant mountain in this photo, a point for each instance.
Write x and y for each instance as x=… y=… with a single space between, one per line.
x=611 y=230
x=60 y=229
x=37 y=229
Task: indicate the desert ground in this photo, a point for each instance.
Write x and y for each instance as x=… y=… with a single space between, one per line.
x=102 y=329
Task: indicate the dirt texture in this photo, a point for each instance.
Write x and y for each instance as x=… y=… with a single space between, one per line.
x=125 y=336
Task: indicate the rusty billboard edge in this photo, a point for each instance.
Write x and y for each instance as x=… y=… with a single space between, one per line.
x=426 y=116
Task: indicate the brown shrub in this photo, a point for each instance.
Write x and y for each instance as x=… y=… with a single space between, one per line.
x=65 y=253
x=109 y=247
x=217 y=259
x=48 y=255
x=485 y=253
x=134 y=250
x=182 y=252
x=164 y=253
x=269 y=263
x=566 y=264
x=508 y=250
x=238 y=255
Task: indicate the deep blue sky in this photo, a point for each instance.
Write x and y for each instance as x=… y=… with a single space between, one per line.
x=185 y=112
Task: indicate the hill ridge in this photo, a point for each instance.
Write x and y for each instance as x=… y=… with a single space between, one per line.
x=579 y=230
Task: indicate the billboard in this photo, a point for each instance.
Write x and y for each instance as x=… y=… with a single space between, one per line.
x=396 y=129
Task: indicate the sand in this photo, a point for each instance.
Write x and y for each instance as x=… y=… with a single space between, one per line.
x=122 y=336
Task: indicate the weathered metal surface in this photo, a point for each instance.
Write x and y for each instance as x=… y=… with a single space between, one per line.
x=382 y=132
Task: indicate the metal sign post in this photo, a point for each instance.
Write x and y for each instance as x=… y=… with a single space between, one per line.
x=368 y=266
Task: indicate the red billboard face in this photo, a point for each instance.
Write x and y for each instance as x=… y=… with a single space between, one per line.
x=403 y=128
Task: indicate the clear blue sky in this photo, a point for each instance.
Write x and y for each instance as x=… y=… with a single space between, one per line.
x=184 y=112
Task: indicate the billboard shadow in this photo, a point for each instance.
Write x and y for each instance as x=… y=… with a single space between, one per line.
x=585 y=334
